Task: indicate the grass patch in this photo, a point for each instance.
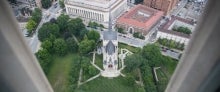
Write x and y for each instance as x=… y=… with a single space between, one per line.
x=165 y=72
x=130 y=48
x=59 y=72
x=98 y=61
x=102 y=84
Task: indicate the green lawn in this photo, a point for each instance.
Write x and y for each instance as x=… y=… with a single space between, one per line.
x=98 y=61
x=130 y=48
x=164 y=74
x=59 y=72
x=102 y=84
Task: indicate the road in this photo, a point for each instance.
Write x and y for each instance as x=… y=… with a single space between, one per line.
x=171 y=54
x=33 y=42
x=175 y=11
x=54 y=12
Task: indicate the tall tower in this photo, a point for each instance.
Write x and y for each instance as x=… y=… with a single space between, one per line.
x=110 y=52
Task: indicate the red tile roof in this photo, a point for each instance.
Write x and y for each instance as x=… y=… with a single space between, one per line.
x=146 y=22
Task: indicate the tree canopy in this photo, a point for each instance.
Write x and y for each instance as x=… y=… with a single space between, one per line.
x=46 y=3
x=93 y=35
x=184 y=30
x=62 y=21
x=61 y=2
x=47 y=29
x=72 y=45
x=48 y=45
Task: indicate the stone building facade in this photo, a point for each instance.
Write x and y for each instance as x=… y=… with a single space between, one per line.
x=96 y=10
x=139 y=19
x=163 y=5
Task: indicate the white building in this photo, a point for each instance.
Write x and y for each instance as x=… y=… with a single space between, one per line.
x=110 y=54
x=96 y=10
x=166 y=31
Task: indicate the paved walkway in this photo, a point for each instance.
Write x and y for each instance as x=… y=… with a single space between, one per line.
x=80 y=77
x=74 y=37
x=122 y=55
x=93 y=62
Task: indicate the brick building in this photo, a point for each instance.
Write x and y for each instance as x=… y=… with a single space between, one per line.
x=139 y=19
x=163 y=5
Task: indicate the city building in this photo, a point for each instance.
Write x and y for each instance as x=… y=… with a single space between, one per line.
x=31 y=3
x=163 y=5
x=131 y=1
x=166 y=30
x=139 y=19
x=96 y=10
x=110 y=51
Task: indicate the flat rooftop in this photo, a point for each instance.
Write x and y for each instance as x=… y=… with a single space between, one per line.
x=141 y=16
x=110 y=35
x=98 y=3
x=165 y=27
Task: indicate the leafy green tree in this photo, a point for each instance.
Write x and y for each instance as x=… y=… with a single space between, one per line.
x=86 y=46
x=62 y=21
x=152 y=53
x=121 y=30
x=48 y=29
x=51 y=38
x=172 y=44
x=75 y=26
x=93 y=35
x=31 y=25
x=94 y=25
x=44 y=59
x=184 y=30
x=138 y=1
x=139 y=88
x=13 y=1
x=46 y=3
x=67 y=35
x=61 y=2
x=36 y=15
x=53 y=20
x=133 y=62
x=47 y=45
x=82 y=33
x=102 y=26
x=60 y=47
x=138 y=35
x=72 y=45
